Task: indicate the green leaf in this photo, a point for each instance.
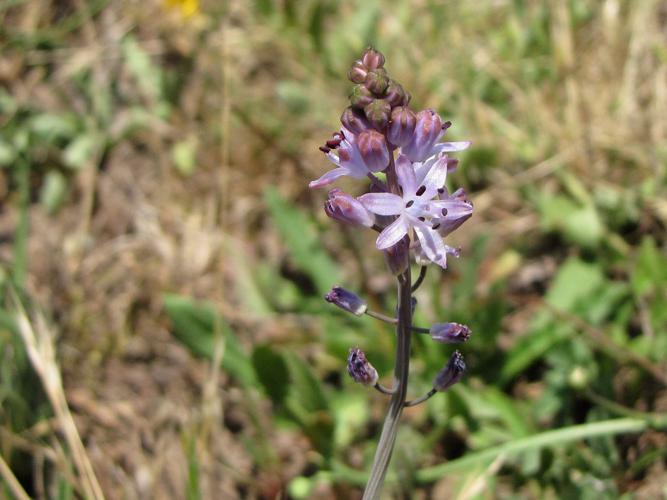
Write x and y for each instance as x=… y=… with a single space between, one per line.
x=547 y=439
x=195 y=326
x=300 y=236
x=272 y=372
x=53 y=192
x=575 y=282
x=184 y=155
x=81 y=150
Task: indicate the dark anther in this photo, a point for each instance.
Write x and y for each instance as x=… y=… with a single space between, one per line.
x=444 y=212
x=446 y=125
x=333 y=143
x=421 y=190
x=436 y=226
x=441 y=190
x=421 y=219
x=324 y=149
x=409 y=204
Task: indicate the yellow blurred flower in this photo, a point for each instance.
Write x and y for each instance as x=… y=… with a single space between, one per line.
x=187 y=8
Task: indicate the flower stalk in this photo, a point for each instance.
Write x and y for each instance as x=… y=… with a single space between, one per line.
x=412 y=212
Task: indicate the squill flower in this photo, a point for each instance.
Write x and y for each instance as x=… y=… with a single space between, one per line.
x=428 y=131
x=450 y=333
x=360 y=369
x=345 y=208
x=346 y=300
x=357 y=155
x=451 y=373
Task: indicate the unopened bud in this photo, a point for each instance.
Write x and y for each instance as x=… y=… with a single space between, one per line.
x=354 y=120
x=402 y=126
x=451 y=373
x=346 y=300
x=358 y=72
x=428 y=130
x=372 y=58
x=360 y=97
x=378 y=113
x=377 y=81
x=345 y=208
x=450 y=333
x=373 y=150
x=397 y=257
x=395 y=95
x=360 y=369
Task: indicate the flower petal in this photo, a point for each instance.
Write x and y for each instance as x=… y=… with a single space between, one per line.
x=392 y=234
x=406 y=175
x=329 y=177
x=450 y=147
x=382 y=203
x=432 y=244
x=435 y=178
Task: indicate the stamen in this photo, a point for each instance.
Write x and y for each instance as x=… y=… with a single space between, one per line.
x=446 y=125
x=435 y=226
x=324 y=149
x=441 y=190
x=444 y=212
x=421 y=190
x=421 y=219
x=409 y=204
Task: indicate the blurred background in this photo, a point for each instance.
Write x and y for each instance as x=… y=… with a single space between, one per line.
x=162 y=261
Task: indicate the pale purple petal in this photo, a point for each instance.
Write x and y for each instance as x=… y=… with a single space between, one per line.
x=392 y=234
x=452 y=208
x=450 y=147
x=329 y=177
x=436 y=177
x=382 y=203
x=432 y=245
x=406 y=175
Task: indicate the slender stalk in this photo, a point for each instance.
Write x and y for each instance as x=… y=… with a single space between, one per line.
x=394 y=321
x=421 y=399
x=420 y=278
x=401 y=368
x=384 y=390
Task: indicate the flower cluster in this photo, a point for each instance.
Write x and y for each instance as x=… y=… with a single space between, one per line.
x=400 y=154
x=382 y=137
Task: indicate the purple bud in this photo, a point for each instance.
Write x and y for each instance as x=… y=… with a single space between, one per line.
x=354 y=120
x=360 y=97
x=451 y=373
x=450 y=333
x=373 y=150
x=360 y=369
x=345 y=208
x=395 y=95
x=402 y=126
x=378 y=113
x=377 y=81
x=428 y=130
x=346 y=300
x=397 y=256
x=358 y=72
x=372 y=58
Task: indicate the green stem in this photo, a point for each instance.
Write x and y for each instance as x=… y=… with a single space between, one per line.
x=401 y=369
x=20 y=266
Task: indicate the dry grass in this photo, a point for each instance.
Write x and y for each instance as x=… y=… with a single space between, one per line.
x=134 y=227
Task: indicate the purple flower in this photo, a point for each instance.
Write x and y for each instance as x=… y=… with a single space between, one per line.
x=349 y=160
x=412 y=207
x=451 y=373
x=345 y=208
x=428 y=130
x=450 y=333
x=360 y=369
x=346 y=300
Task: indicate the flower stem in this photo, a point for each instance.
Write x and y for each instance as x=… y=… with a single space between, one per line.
x=390 y=427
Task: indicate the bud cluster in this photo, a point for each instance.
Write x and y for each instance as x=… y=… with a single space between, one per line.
x=375 y=94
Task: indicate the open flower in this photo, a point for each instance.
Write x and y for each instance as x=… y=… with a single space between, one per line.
x=356 y=155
